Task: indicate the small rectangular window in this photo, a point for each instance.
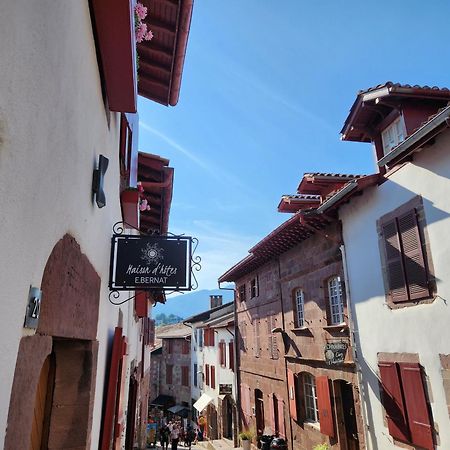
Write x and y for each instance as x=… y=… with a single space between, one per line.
x=200 y=337
x=195 y=374
x=254 y=288
x=310 y=394
x=393 y=135
x=299 y=308
x=336 y=300
x=242 y=293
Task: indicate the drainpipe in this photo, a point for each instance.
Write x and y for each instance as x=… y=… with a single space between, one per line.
x=352 y=334
x=284 y=357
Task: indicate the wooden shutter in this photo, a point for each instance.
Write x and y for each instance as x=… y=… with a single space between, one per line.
x=324 y=406
x=292 y=394
x=151 y=333
x=169 y=373
x=221 y=353
x=271 y=413
x=231 y=355
x=394 y=262
x=140 y=304
x=393 y=401
x=416 y=405
x=280 y=411
x=256 y=338
x=213 y=377
x=110 y=406
x=207 y=374
x=416 y=273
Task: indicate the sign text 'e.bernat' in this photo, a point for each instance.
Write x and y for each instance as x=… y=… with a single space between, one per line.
x=150 y=262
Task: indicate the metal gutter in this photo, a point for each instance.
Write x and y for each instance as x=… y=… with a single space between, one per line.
x=421 y=133
x=335 y=198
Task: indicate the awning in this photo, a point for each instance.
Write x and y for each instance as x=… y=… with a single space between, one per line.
x=163 y=400
x=202 y=402
x=179 y=410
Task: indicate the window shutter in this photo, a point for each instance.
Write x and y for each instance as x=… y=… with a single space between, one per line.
x=272 y=413
x=231 y=355
x=324 y=406
x=211 y=331
x=394 y=262
x=416 y=405
x=213 y=377
x=140 y=304
x=393 y=401
x=256 y=338
x=151 y=333
x=292 y=394
x=108 y=417
x=416 y=273
x=280 y=411
x=207 y=374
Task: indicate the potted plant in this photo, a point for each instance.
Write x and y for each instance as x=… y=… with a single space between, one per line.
x=321 y=447
x=246 y=437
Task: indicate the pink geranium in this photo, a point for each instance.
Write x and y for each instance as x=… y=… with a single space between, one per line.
x=149 y=35
x=141 y=32
x=141 y=11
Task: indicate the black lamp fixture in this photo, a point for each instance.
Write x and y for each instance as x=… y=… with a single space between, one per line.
x=97 y=181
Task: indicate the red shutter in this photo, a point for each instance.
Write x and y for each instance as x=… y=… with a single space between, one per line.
x=221 y=350
x=108 y=418
x=207 y=374
x=394 y=263
x=272 y=414
x=140 y=304
x=393 y=401
x=324 y=406
x=416 y=405
x=292 y=394
x=280 y=410
x=151 y=333
x=213 y=377
x=212 y=337
x=231 y=355
x=416 y=273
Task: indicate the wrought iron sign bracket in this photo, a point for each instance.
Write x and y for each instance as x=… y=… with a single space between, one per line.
x=151 y=262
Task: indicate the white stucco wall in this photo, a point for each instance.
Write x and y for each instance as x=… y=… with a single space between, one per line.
x=53 y=126
x=421 y=329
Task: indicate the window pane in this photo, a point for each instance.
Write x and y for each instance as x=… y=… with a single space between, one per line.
x=299 y=304
x=312 y=412
x=336 y=300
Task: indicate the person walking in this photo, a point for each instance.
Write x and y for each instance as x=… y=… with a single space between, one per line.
x=174 y=436
x=164 y=434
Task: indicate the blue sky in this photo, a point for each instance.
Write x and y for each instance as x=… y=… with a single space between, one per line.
x=266 y=88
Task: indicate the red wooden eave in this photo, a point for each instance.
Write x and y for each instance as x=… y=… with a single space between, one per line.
x=161 y=60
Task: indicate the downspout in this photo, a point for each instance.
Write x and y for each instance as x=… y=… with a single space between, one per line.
x=284 y=357
x=352 y=334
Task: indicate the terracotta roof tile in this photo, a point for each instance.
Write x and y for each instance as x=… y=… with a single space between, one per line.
x=390 y=84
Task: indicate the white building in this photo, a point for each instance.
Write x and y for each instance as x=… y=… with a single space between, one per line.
x=397 y=250
x=77 y=376
x=213 y=373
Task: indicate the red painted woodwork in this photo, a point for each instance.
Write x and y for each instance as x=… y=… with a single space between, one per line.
x=213 y=377
x=292 y=394
x=128 y=149
x=231 y=355
x=272 y=413
x=129 y=201
x=207 y=374
x=151 y=333
x=141 y=304
x=115 y=38
x=108 y=417
x=324 y=406
x=280 y=411
x=393 y=401
x=416 y=404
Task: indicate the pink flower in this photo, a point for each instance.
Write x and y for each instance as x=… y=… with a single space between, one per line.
x=141 y=11
x=149 y=35
x=143 y=205
x=141 y=31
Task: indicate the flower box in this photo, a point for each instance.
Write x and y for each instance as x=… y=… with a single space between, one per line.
x=129 y=201
x=115 y=37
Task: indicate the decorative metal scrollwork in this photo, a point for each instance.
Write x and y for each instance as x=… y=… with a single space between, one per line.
x=195 y=264
x=116 y=294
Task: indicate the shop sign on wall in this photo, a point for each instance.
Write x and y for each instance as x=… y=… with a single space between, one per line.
x=335 y=352
x=150 y=262
x=225 y=389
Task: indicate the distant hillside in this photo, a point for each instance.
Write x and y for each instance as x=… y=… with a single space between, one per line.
x=163 y=319
x=188 y=304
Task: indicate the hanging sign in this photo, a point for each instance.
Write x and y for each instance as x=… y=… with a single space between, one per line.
x=335 y=352
x=150 y=262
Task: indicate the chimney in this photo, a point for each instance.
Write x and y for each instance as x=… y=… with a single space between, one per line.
x=215 y=300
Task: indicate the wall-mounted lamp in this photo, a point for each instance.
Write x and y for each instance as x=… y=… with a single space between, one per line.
x=97 y=181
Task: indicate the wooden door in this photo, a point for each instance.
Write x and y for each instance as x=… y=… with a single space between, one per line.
x=42 y=406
